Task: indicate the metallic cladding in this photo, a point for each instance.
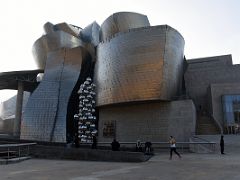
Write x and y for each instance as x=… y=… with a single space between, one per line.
x=44 y=118
x=138 y=65
x=90 y=34
x=121 y=22
x=50 y=28
x=61 y=53
x=51 y=42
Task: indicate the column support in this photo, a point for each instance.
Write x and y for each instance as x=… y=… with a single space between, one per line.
x=18 y=112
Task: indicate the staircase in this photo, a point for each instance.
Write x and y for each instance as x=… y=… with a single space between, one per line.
x=206 y=125
x=232 y=142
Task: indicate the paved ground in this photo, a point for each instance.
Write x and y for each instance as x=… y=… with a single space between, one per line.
x=191 y=166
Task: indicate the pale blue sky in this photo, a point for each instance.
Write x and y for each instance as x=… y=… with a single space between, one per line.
x=209 y=27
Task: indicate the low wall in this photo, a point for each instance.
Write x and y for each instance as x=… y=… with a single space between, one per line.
x=53 y=152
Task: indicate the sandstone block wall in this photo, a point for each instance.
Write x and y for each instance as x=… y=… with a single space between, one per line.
x=217 y=91
x=154 y=121
x=203 y=72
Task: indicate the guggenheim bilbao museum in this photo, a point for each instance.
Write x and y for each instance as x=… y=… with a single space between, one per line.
x=126 y=80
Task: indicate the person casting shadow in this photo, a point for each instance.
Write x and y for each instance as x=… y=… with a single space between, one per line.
x=172 y=142
x=222 y=145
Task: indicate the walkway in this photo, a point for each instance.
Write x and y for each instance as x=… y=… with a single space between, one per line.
x=191 y=166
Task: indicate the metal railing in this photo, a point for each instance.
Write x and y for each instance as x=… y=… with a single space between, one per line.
x=194 y=146
x=204 y=146
x=8 y=151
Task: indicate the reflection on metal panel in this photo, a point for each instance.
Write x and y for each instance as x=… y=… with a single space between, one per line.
x=51 y=42
x=41 y=109
x=44 y=118
x=121 y=22
x=67 y=28
x=142 y=64
x=90 y=34
x=173 y=64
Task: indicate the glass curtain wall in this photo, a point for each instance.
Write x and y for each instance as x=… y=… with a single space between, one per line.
x=231 y=111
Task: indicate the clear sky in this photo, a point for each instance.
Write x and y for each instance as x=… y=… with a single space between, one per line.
x=209 y=27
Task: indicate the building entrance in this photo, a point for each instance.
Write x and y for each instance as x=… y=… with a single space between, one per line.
x=231 y=111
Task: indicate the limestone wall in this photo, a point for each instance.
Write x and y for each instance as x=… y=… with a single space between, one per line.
x=154 y=121
x=217 y=91
x=201 y=73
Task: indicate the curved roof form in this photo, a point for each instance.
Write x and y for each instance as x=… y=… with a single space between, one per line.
x=60 y=36
x=121 y=22
x=9 y=80
x=70 y=29
x=90 y=34
x=139 y=65
x=52 y=42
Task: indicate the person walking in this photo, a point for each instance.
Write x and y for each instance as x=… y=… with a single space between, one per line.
x=172 y=143
x=222 y=145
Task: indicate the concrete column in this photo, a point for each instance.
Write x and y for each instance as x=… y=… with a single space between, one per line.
x=18 y=114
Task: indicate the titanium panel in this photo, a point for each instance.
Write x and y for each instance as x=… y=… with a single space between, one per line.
x=48 y=28
x=52 y=42
x=67 y=28
x=121 y=22
x=173 y=64
x=90 y=34
x=41 y=108
x=139 y=65
x=44 y=118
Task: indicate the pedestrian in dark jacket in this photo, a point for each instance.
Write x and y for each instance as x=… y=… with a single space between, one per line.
x=94 y=144
x=115 y=145
x=222 y=145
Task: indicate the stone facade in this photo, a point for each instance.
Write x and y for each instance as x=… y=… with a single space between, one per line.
x=152 y=121
x=206 y=79
x=203 y=72
x=216 y=93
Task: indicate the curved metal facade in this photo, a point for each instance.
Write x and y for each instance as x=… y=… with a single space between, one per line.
x=90 y=34
x=121 y=22
x=45 y=114
x=142 y=64
x=134 y=62
x=51 y=42
x=64 y=56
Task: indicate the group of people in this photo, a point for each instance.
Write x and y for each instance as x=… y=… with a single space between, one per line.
x=115 y=144
x=148 y=146
x=172 y=142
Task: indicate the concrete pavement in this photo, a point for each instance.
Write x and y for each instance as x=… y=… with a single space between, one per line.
x=191 y=166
